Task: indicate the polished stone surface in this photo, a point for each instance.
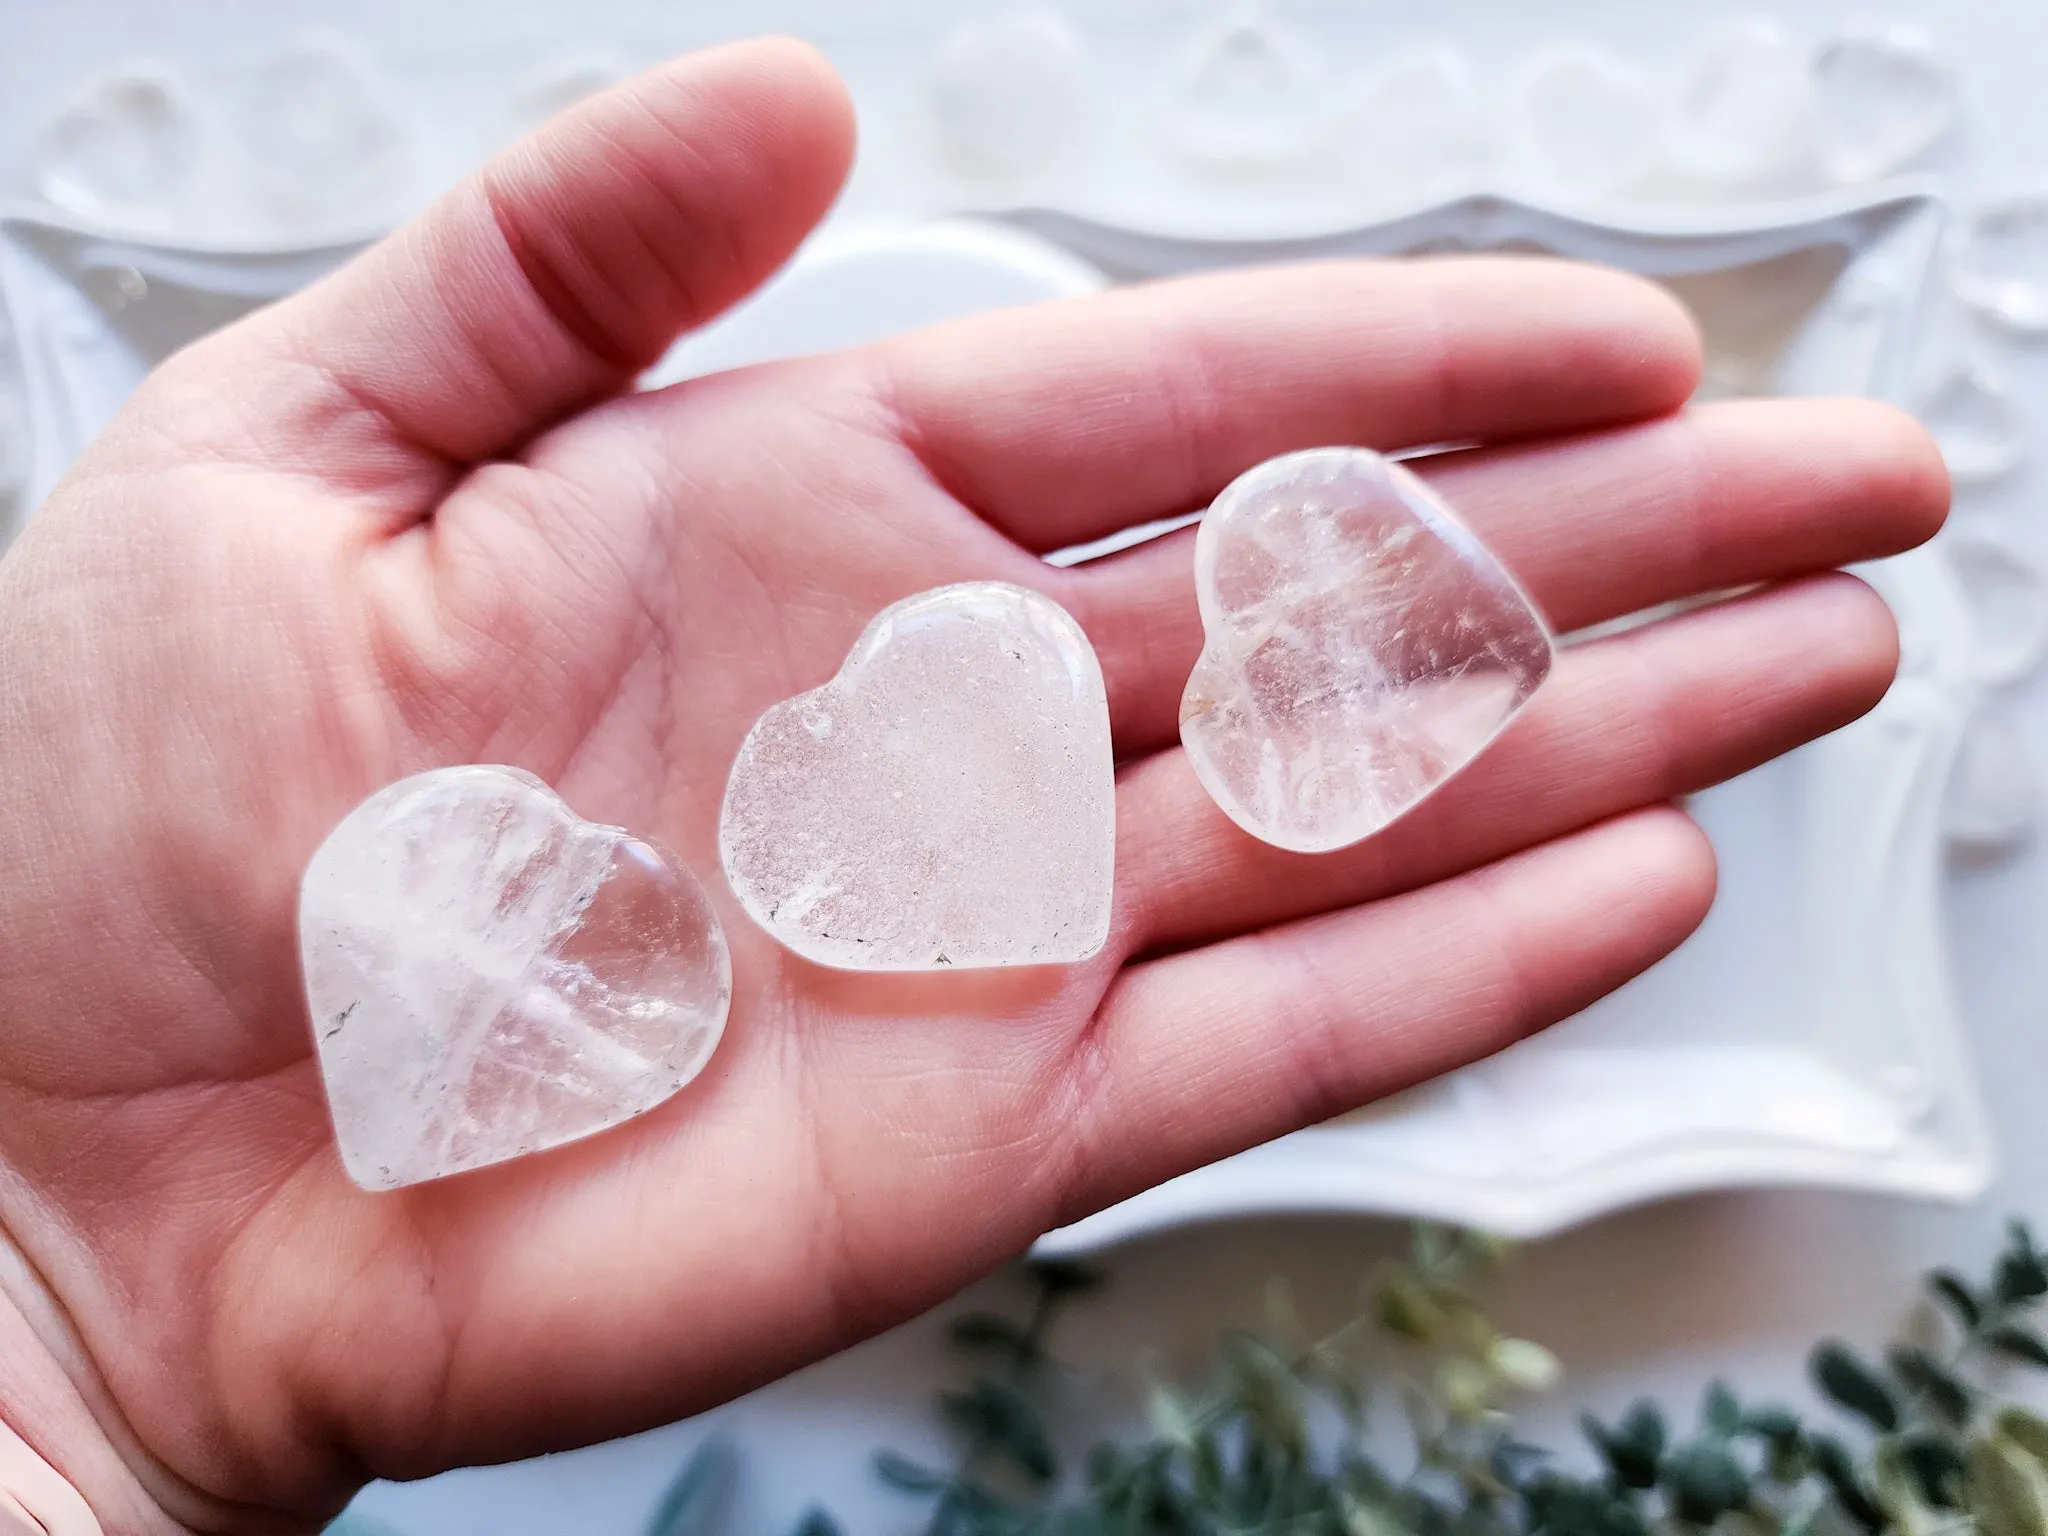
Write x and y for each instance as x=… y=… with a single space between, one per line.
x=946 y=800
x=1361 y=646
x=490 y=975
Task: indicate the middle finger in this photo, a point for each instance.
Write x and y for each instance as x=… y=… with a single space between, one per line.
x=1594 y=526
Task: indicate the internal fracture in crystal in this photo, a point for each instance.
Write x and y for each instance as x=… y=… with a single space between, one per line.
x=490 y=975
x=1360 y=646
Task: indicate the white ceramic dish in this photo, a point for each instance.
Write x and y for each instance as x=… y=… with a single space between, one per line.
x=1808 y=1033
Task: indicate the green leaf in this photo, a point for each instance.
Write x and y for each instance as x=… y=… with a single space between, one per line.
x=996 y=1416
x=1362 y=1516
x=1632 y=1448
x=1263 y=1387
x=1831 y=1460
x=1898 y=1492
x=996 y=1334
x=1946 y=1395
x=1643 y=1427
x=1465 y=1386
x=1524 y=1364
x=694 y=1504
x=1852 y=1385
x=818 y=1521
x=1937 y=1469
x=2025 y=1429
x=972 y=1509
x=1516 y=1463
x=2021 y=1275
x=905 y=1475
x=1172 y=1419
x=1720 y=1411
x=1802 y=1521
x=2017 y=1343
x=1779 y=1425
x=1404 y=1308
x=1062 y=1277
x=1562 y=1506
x=1954 y=1293
x=1704 y=1482
x=2007 y=1491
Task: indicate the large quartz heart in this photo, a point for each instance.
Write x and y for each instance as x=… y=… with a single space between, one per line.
x=490 y=975
x=1361 y=646
x=946 y=800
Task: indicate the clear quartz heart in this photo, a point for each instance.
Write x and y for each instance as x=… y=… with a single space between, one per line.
x=946 y=800
x=1360 y=647
x=490 y=975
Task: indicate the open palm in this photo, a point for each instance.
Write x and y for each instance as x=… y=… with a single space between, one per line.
x=415 y=516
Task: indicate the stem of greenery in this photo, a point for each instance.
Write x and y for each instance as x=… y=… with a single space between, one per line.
x=1286 y=1436
x=1279 y=1442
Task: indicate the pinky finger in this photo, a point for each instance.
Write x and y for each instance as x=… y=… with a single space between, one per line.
x=1202 y=1054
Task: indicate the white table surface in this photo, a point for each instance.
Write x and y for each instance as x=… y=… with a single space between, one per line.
x=1652 y=1300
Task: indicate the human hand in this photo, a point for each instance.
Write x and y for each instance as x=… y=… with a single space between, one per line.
x=415 y=516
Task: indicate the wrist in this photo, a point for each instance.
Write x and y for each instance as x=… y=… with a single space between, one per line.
x=53 y=1405
x=35 y=1498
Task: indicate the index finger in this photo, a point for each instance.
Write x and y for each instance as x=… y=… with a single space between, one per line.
x=1064 y=422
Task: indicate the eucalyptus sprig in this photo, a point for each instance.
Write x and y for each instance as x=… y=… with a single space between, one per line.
x=1288 y=1436
x=1400 y=1423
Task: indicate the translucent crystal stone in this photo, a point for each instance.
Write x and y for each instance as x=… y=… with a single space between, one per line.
x=1585 y=123
x=1361 y=646
x=1250 y=96
x=1999 y=261
x=122 y=150
x=1006 y=94
x=325 y=148
x=1744 y=111
x=489 y=975
x=2007 y=591
x=1994 y=794
x=1415 y=128
x=1976 y=423
x=946 y=800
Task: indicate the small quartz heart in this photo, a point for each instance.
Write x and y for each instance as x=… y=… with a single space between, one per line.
x=948 y=799
x=1361 y=646
x=490 y=975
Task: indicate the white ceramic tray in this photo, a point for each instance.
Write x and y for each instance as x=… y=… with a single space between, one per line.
x=1807 y=1034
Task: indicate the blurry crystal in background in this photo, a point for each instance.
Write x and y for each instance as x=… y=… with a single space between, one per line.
x=1006 y=95
x=114 y=288
x=2008 y=600
x=1976 y=423
x=1884 y=99
x=1745 y=111
x=121 y=152
x=1414 y=131
x=327 y=153
x=1585 y=123
x=1994 y=790
x=562 y=82
x=1249 y=97
x=1998 y=261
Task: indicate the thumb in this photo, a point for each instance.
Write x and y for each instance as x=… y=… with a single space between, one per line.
x=551 y=277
